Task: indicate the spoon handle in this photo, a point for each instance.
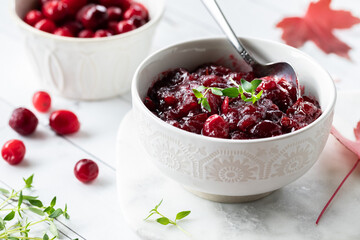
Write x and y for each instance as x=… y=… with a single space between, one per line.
x=219 y=17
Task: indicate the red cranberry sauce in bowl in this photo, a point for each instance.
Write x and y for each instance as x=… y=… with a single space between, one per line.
x=274 y=109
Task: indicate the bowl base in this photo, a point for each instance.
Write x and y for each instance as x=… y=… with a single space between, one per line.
x=228 y=199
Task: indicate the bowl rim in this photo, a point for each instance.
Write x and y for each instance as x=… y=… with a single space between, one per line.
x=136 y=97
x=153 y=21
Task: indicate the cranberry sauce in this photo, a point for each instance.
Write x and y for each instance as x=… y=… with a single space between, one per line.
x=277 y=112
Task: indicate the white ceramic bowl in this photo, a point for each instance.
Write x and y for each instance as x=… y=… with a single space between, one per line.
x=232 y=170
x=87 y=69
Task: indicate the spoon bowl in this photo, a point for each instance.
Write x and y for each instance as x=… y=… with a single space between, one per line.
x=278 y=70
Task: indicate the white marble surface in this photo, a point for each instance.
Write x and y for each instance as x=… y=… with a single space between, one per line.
x=289 y=213
x=52 y=158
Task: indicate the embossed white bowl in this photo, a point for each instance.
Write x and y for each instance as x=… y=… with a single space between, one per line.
x=87 y=69
x=232 y=170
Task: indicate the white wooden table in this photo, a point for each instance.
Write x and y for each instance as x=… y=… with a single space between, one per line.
x=94 y=209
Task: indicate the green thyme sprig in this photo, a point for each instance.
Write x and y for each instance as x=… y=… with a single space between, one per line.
x=25 y=203
x=246 y=88
x=165 y=221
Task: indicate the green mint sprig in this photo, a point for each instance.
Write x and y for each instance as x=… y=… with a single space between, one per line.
x=233 y=92
x=27 y=203
x=165 y=221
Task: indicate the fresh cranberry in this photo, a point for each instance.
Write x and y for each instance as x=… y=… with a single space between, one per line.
x=114 y=13
x=86 y=33
x=112 y=27
x=74 y=27
x=136 y=9
x=137 y=21
x=41 y=101
x=46 y=25
x=102 y=33
x=13 y=151
x=74 y=5
x=55 y=10
x=63 y=31
x=92 y=16
x=125 y=26
x=265 y=129
x=225 y=106
x=33 y=17
x=216 y=126
x=23 y=121
x=123 y=4
x=86 y=170
x=64 y=122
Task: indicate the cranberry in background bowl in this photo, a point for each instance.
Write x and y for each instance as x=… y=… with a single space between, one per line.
x=86 y=68
x=231 y=170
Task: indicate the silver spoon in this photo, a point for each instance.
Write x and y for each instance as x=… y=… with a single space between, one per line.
x=278 y=70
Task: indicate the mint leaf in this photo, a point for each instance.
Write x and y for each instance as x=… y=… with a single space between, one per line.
x=53 y=202
x=10 y=216
x=56 y=213
x=217 y=91
x=4 y=191
x=2 y=224
x=231 y=92
x=37 y=211
x=255 y=83
x=206 y=104
x=36 y=203
x=182 y=214
x=197 y=93
x=163 y=221
x=53 y=229
x=29 y=181
x=201 y=88
x=26 y=197
x=20 y=199
x=246 y=85
x=45 y=237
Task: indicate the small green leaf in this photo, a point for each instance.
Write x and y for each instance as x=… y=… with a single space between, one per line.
x=258 y=96
x=163 y=221
x=231 y=92
x=201 y=88
x=157 y=206
x=2 y=224
x=67 y=216
x=53 y=229
x=45 y=237
x=53 y=202
x=4 y=191
x=246 y=85
x=182 y=214
x=255 y=83
x=36 y=203
x=29 y=181
x=10 y=216
x=216 y=91
x=13 y=238
x=206 y=104
x=197 y=93
x=37 y=211
x=56 y=214
x=26 y=197
x=20 y=201
x=49 y=210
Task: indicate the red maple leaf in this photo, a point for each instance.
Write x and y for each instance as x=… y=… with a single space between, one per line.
x=317 y=25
